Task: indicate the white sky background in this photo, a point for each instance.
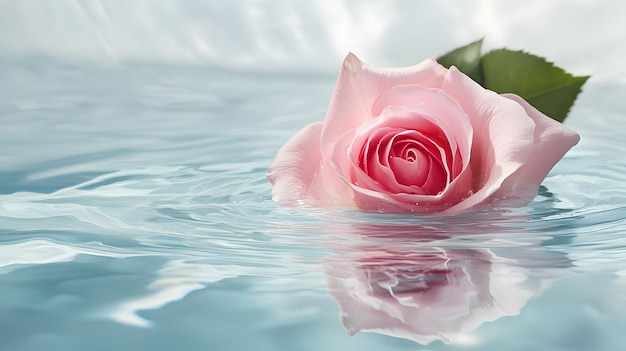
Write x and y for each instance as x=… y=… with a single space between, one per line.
x=583 y=36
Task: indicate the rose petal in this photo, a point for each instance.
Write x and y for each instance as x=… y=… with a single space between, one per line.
x=503 y=136
x=346 y=162
x=298 y=174
x=551 y=141
x=382 y=169
x=360 y=84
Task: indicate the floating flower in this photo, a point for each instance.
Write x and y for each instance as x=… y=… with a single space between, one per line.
x=418 y=139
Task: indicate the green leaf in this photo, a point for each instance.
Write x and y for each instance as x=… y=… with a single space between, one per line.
x=549 y=89
x=467 y=59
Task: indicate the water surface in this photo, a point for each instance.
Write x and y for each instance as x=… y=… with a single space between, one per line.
x=135 y=214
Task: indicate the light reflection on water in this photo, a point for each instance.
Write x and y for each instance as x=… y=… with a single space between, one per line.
x=134 y=210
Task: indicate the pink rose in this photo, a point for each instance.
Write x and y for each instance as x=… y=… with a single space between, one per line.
x=418 y=139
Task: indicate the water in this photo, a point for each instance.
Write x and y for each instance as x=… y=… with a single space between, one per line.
x=135 y=214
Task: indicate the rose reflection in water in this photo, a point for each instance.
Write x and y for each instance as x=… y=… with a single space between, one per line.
x=434 y=289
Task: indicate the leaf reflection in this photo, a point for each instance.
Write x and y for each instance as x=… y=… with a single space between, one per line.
x=435 y=286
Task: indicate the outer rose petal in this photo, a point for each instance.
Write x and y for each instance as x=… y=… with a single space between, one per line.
x=360 y=84
x=503 y=136
x=552 y=140
x=298 y=174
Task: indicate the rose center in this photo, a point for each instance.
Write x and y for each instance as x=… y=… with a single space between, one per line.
x=411 y=155
x=416 y=161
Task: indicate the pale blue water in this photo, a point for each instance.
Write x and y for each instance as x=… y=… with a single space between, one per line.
x=135 y=214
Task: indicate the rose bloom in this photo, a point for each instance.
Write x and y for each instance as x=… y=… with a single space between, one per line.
x=418 y=139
